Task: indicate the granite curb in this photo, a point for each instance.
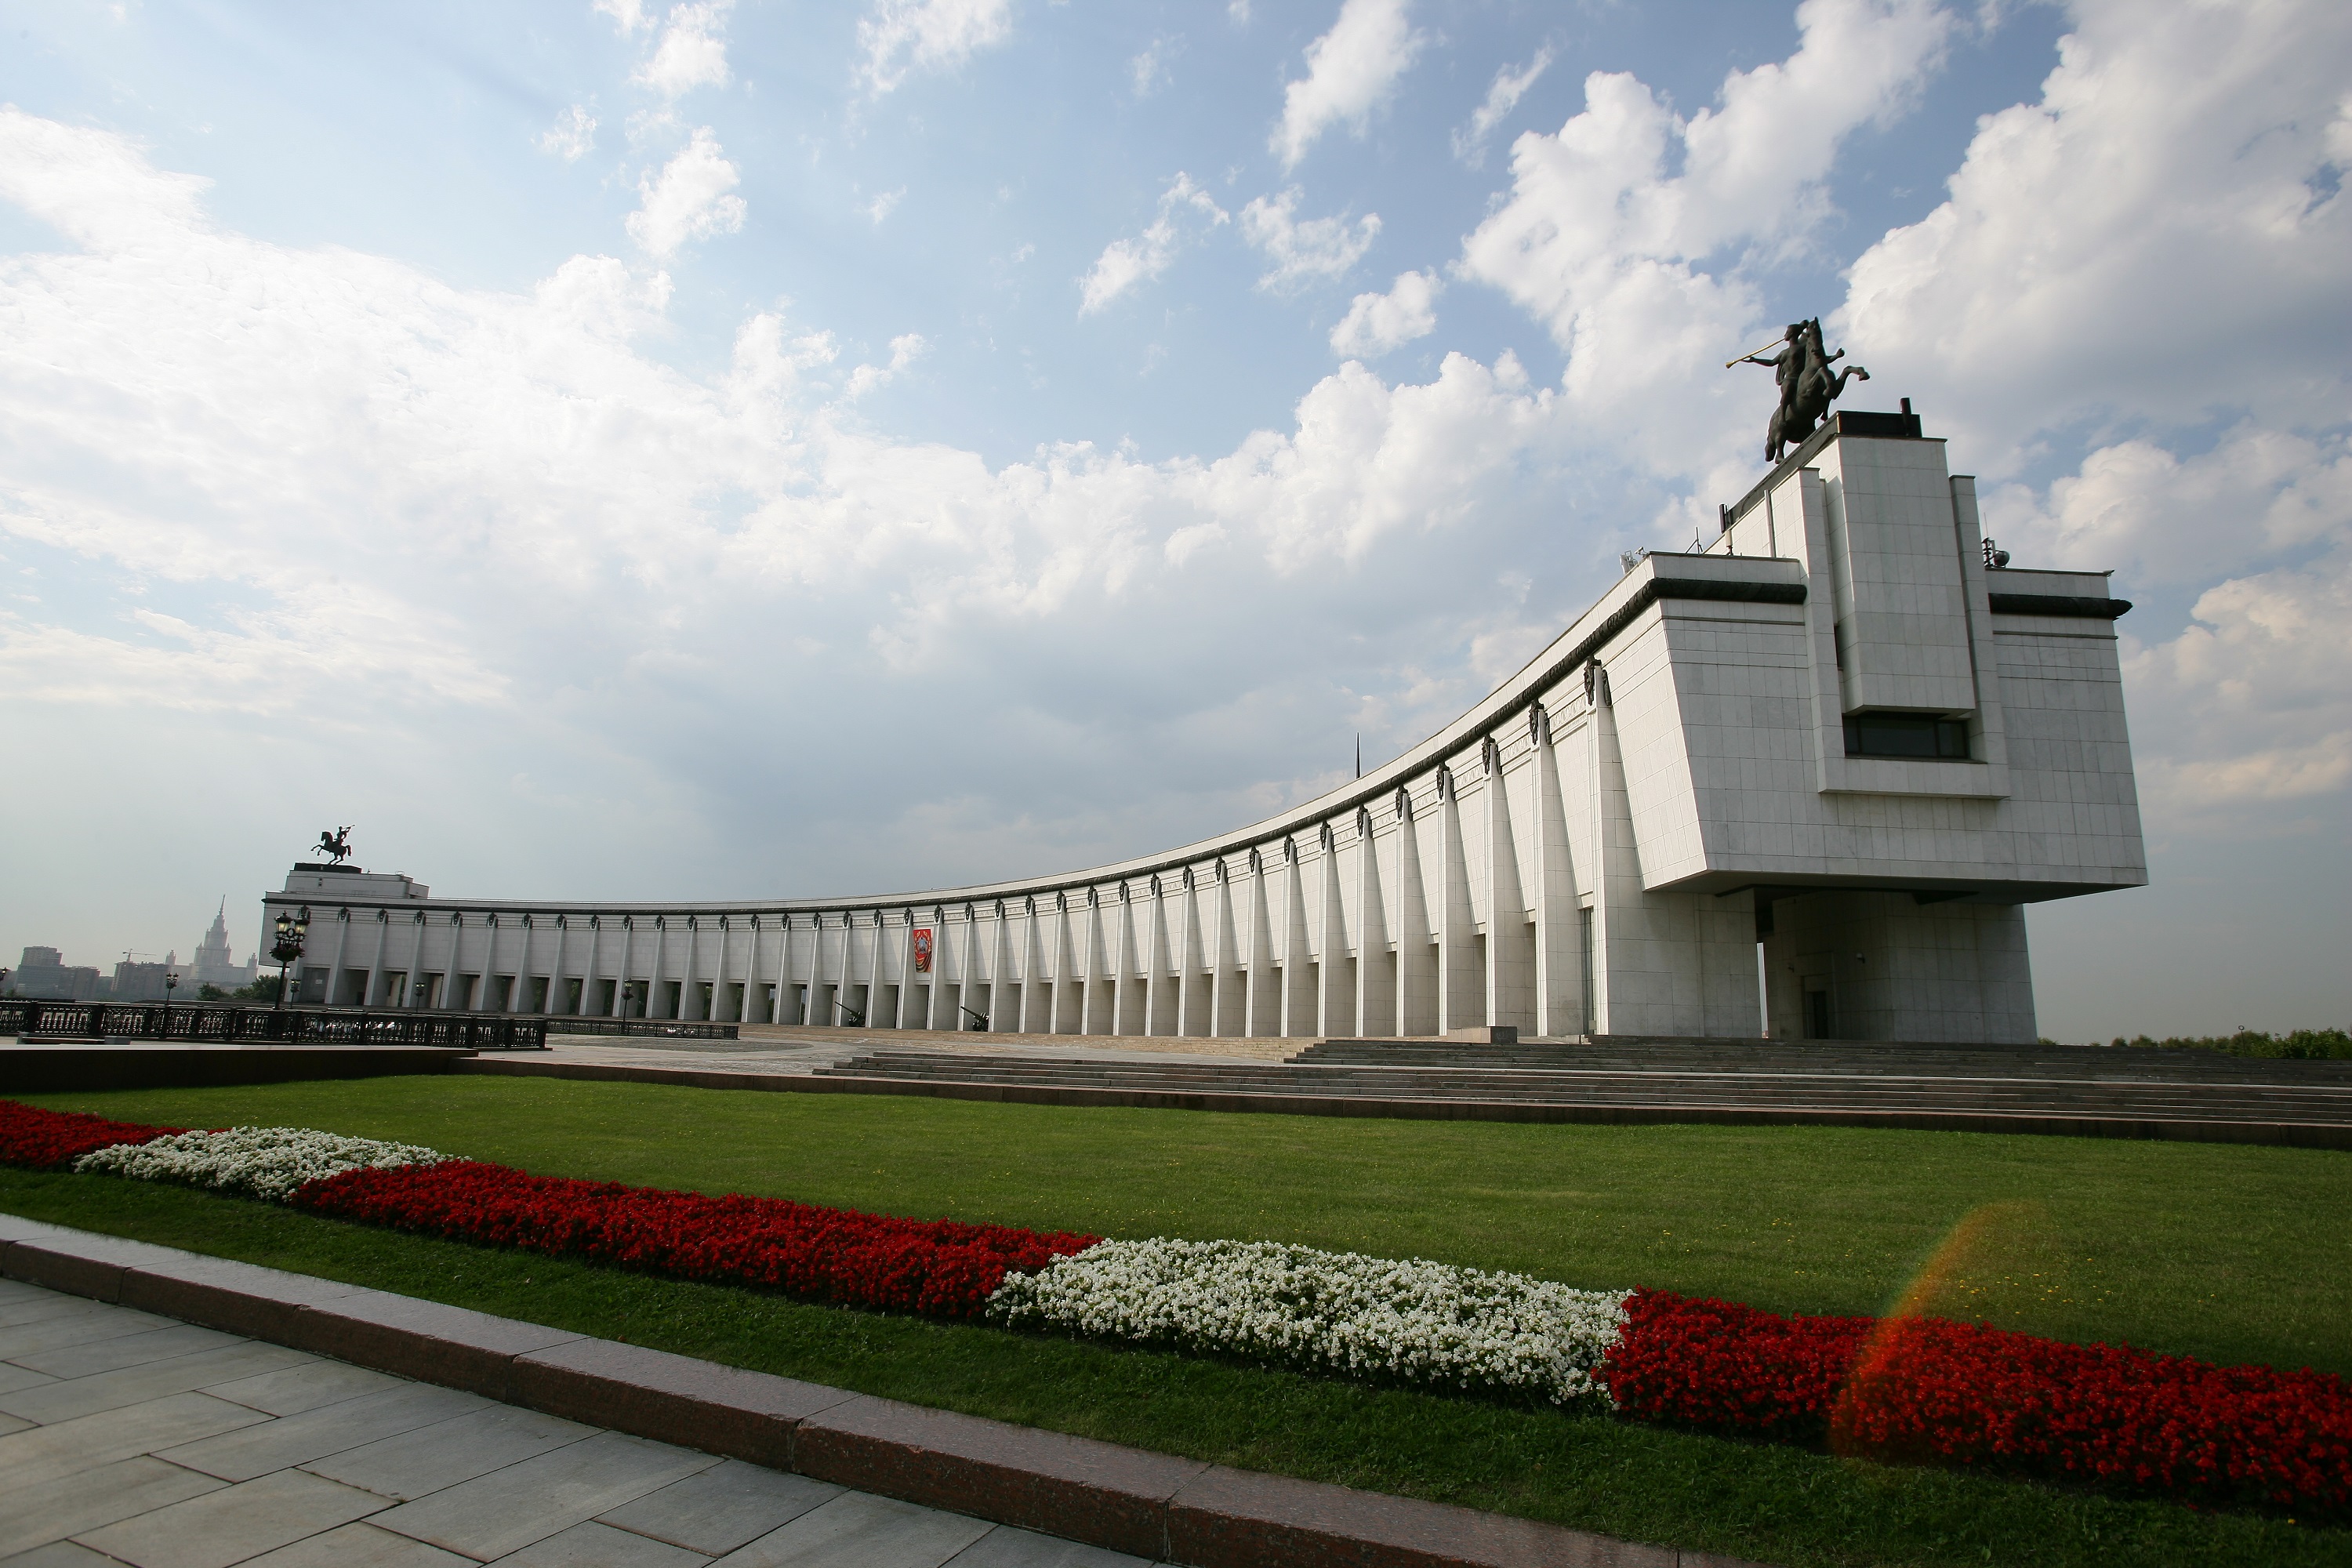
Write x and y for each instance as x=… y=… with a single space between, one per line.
x=1103 y=1494
x=2280 y=1134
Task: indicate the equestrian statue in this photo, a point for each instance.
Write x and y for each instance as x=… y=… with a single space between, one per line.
x=335 y=844
x=1808 y=387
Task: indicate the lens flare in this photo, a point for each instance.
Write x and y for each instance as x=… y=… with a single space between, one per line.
x=1970 y=1251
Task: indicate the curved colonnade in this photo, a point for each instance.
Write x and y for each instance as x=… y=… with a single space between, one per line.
x=1806 y=776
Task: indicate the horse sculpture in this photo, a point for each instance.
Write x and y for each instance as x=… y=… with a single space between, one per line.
x=1807 y=386
x=335 y=844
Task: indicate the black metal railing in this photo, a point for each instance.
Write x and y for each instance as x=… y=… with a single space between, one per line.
x=230 y=1023
x=666 y=1027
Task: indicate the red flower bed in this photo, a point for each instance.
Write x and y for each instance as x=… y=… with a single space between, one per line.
x=1922 y=1390
x=1728 y=1368
x=939 y=1268
x=44 y=1139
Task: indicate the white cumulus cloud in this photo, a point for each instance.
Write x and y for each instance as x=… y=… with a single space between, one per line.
x=628 y=16
x=691 y=52
x=1610 y=221
x=1376 y=323
x=691 y=198
x=1125 y=263
x=1304 y=250
x=571 y=137
x=2136 y=507
x=1510 y=86
x=2249 y=705
x=1148 y=70
x=2161 y=235
x=905 y=350
x=901 y=36
x=1350 y=71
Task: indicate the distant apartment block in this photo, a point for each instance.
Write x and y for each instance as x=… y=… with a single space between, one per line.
x=44 y=974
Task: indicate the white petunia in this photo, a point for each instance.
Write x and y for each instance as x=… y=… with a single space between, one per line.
x=1411 y=1319
x=260 y=1161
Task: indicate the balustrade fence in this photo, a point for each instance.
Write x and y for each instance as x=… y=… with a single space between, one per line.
x=229 y=1023
x=587 y=1025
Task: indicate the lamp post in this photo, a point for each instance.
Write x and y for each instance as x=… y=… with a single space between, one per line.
x=291 y=930
x=170 y=984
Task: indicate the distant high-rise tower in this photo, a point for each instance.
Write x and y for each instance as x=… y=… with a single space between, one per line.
x=214 y=966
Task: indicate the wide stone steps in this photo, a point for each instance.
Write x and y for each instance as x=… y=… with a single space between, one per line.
x=2089 y=1063
x=1817 y=1087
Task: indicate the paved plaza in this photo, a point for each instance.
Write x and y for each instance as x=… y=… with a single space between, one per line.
x=137 y=1439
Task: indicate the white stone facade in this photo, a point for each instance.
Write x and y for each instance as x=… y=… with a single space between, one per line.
x=1605 y=844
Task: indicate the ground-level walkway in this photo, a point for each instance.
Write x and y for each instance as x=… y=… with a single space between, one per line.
x=133 y=1438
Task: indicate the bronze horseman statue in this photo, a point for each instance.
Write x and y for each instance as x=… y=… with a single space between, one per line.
x=335 y=844
x=1807 y=385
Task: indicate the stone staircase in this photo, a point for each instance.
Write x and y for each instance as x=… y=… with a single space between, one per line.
x=2126 y=1092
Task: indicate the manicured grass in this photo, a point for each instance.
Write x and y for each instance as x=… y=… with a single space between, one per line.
x=1774 y=1505
x=2231 y=1253
x=2218 y=1251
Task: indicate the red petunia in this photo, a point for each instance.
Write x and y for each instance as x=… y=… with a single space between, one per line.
x=1923 y=1389
x=939 y=1268
x=45 y=1140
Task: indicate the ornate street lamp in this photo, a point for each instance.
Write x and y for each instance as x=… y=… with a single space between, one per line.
x=170 y=984
x=291 y=930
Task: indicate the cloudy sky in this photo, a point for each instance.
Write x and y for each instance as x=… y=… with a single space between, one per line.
x=636 y=449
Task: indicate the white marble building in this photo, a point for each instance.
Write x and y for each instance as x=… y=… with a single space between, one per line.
x=1809 y=777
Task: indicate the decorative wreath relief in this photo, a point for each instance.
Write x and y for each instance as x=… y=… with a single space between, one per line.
x=259 y=1161
x=1427 y=1322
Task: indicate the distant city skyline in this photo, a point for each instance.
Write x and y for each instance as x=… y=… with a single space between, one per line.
x=211 y=962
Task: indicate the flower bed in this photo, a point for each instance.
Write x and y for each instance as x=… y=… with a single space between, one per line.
x=1910 y=1390
x=1421 y=1321
x=256 y=1162
x=1927 y=1391
x=939 y=1268
x=45 y=1140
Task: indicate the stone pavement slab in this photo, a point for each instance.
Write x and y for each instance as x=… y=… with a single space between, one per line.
x=212 y=1450
x=1006 y=1547
x=858 y=1530
x=359 y=1545
x=59 y=1329
x=47 y=1454
x=305 y=1387
x=235 y=1523
x=721 y=1509
x=60 y=1554
x=508 y=1509
x=319 y=1433
x=417 y=1463
x=592 y=1545
x=92 y=1357
x=70 y=1397
x=124 y=1490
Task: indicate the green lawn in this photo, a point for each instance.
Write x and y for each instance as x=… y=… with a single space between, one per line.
x=2230 y=1253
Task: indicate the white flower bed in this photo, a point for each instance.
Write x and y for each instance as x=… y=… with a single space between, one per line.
x=1429 y=1323
x=260 y=1161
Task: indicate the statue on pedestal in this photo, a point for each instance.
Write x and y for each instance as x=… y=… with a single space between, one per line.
x=1807 y=386
x=335 y=844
